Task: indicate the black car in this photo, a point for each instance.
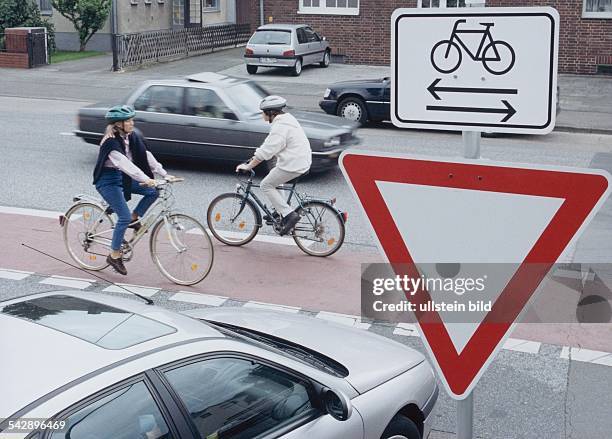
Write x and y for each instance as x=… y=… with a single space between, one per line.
x=215 y=117
x=361 y=101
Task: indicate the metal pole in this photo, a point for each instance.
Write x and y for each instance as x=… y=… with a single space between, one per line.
x=261 y=13
x=114 y=35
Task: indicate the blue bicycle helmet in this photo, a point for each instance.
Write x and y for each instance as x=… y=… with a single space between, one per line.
x=120 y=113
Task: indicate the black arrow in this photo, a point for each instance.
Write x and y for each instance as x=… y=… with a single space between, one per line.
x=433 y=89
x=508 y=111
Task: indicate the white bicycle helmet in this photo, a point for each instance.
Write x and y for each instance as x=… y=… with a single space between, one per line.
x=273 y=103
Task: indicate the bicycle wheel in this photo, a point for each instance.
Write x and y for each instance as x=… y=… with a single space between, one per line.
x=88 y=231
x=181 y=249
x=320 y=231
x=498 y=57
x=228 y=223
x=442 y=62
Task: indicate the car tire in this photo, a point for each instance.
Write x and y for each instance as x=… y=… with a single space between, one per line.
x=353 y=109
x=401 y=427
x=326 y=59
x=297 y=68
x=251 y=69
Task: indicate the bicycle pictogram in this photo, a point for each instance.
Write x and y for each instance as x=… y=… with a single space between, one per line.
x=497 y=56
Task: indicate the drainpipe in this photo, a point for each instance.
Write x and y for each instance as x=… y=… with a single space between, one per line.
x=261 y=13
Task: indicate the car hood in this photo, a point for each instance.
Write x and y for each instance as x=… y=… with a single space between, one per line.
x=370 y=359
x=325 y=125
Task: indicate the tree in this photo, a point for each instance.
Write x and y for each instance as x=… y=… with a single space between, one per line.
x=18 y=13
x=87 y=16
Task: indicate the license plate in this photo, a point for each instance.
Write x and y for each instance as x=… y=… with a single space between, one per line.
x=267 y=60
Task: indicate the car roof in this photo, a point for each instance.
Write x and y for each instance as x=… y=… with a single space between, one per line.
x=200 y=80
x=42 y=358
x=281 y=26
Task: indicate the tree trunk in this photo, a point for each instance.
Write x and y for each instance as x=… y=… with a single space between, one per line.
x=82 y=47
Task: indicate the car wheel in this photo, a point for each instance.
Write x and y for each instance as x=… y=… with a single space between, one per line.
x=401 y=427
x=353 y=109
x=297 y=68
x=326 y=59
x=251 y=69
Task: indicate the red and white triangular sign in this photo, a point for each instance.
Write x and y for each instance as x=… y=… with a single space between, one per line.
x=467 y=211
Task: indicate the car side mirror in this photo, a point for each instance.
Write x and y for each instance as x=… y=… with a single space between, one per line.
x=336 y=404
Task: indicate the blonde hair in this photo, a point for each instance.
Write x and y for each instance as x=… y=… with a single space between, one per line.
x=112 y=129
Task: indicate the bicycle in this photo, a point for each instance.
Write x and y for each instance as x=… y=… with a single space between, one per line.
x=179 y=245
x=448 y=63
x=234 y=218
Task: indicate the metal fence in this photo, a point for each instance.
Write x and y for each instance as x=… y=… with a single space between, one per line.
x=150 y=47
x=30 y=49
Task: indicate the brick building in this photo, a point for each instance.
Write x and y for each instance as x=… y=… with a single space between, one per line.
x=359 y=30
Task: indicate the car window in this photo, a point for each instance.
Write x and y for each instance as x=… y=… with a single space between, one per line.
x=206 y=103
x=271 y=37
x=232 y=398
x=247 y=96
x=301 y=36
x=160 y=99
x=311 y=35
x=128 y=413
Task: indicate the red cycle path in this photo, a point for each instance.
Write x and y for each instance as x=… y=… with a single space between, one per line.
x=272 y=273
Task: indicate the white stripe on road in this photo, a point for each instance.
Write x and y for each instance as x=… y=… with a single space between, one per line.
x=200 y=299
x=30 y=212
x=518 y=345
x=14 y=274
x=406 y=329
x=69 y=282
x=67 y=134
x=271 y=306
x=271 y=239
x=343 y=319
x=138 y=289
x=587 y=356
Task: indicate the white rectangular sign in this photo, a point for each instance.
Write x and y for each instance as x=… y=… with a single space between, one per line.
x=475 y=69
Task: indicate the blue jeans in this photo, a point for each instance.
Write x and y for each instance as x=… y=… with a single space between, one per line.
x=110 y=186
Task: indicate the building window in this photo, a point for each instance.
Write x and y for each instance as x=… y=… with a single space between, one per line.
x=45 y=7
x=331 y=7
x=597 y=9
x=210 y=4
x=441 y=3
x=178 y=13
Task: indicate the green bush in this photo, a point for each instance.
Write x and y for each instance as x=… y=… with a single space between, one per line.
x=18 y=13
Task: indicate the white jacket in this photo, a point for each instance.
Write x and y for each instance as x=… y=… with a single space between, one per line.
x=288 y=142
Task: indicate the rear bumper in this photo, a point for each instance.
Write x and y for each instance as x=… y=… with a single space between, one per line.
x=88 y=136
x=329 y=106
x=325 y=160
x=270 y=62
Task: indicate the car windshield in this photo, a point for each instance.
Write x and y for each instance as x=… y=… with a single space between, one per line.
x=271 y=37
x=247 y=97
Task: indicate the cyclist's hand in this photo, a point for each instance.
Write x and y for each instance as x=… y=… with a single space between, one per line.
x=243 y=167
x=172 y=178
x=149 y=183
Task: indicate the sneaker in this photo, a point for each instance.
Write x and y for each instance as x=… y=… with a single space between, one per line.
x=289 y=222
x=135 y=225
x=117 y=264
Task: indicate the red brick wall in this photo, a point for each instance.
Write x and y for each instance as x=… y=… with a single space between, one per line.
x=14 y=60
x=365 y=39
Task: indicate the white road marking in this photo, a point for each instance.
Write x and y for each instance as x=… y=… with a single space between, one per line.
x=201 y=299
x=67 y=134
x=14 y=274
x=518 y=345
x=69 y=282
x=586 y=356
x=30 y=212
x=343 y=319
x=406 y=329
x=271 y=306
x=138 y=289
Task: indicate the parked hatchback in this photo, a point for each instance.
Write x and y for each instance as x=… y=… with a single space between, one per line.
x=291 y=46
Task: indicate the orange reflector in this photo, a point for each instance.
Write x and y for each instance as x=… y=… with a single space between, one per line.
x=331 y=241
x=194 y=267
x=92 y=257
x=242 y=225
x=87 y=215
x=217 y=216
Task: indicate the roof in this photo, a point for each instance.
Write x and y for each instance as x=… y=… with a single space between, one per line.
x=43 y=358
x=203 y=78
x=281 y=26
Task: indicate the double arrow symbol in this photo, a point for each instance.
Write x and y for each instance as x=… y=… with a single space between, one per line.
x=509 y=110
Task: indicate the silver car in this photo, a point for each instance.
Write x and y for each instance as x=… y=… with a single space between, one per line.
x=286 y=45
x=85 y=365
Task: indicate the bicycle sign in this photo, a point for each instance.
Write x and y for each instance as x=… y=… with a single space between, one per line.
x=476 y=69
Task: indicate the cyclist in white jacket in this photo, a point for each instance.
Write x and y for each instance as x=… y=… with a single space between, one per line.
x=289 y=144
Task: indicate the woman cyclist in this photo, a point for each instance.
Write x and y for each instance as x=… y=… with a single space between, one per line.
x=125 y=167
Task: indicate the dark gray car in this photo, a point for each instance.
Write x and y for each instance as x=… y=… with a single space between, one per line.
x=215 y=117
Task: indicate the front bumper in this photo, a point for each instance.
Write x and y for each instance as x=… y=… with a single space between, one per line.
x=329 y=106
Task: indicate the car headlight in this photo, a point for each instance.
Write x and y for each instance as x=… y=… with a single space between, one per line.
x=327 y=93
x=334 y=141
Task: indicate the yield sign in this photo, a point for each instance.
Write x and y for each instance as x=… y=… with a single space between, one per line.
x=426 y=211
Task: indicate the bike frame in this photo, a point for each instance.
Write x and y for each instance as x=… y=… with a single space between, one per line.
x=486 y=33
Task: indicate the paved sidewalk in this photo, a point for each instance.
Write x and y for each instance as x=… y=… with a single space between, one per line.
x=585 y=101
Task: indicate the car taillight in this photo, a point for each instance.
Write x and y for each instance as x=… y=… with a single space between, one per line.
x=289 y=53
x=248 y=52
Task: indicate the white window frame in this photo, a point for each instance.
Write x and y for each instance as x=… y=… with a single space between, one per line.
x=324 y=10
x=216 y=8
x=45 y=12
x=591 y=14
